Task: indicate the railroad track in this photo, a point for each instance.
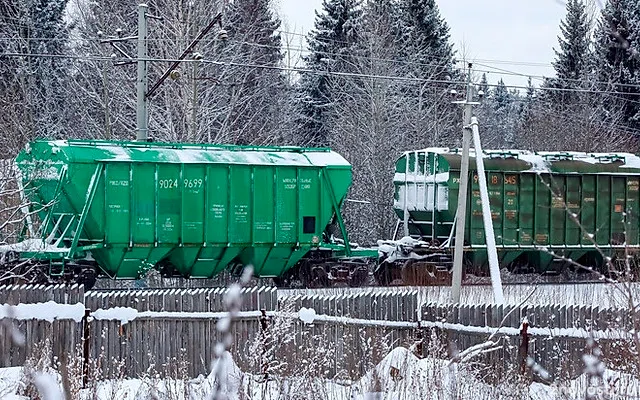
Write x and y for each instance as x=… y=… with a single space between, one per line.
x=479 y=284
x=469 y=281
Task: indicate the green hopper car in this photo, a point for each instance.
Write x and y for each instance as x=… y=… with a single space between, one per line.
x=121 y=208
x=550 y=210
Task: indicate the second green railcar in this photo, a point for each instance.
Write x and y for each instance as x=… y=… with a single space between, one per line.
x=549 y=209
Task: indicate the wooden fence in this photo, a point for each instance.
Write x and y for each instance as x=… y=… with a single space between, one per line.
x=358 y=332
x=556 y=336
x=62 y=294
x=173 y=331
x=22 y=338
x=608 y=295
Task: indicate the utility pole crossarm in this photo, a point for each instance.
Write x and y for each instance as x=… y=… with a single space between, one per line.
x=184 y=54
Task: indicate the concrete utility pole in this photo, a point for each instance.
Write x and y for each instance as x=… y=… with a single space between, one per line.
x=470 y=130
x=142 y=107
x=492 y=252
x=461 y=215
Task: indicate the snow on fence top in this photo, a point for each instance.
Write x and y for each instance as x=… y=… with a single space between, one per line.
x=179 y=300
x=558 y=321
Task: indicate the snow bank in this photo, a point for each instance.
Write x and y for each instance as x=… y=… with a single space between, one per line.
x=48 y=386
x=400 y=375
x=126 y=389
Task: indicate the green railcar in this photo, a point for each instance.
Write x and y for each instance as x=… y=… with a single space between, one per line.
x=549 y=209
x=192 y=210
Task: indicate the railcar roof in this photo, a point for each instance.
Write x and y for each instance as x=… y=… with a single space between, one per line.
x=179 y=153
x=543 y=161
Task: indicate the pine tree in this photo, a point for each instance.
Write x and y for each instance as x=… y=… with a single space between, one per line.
x=331 y=43
x=616 y=60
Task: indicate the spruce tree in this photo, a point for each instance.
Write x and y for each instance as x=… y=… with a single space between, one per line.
x=503 y=106
x=426 y=39
x=501 y=96
x=484 y=111
x=256 y=91
x=616 y=60
x=427 y=53
x=572 y=57
x=331 y=43
x=484 y=84
x=526 y=109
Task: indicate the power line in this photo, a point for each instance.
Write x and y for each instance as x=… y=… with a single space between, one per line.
x=394 y=61
x=260 y=45
x=543 y=78
x=339 y=73
x=323 y=73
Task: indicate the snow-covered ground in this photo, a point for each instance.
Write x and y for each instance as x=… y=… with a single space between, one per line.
x=400 y=375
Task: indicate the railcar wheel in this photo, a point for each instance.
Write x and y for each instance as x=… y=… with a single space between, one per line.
x=319 y=277
x=359 y=276
x=87 y=278
x=383 y=275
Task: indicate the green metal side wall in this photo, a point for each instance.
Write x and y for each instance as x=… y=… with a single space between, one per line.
x=556 y=211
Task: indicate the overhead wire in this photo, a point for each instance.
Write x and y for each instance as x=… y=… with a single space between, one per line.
x=405 y=62
x=317 y=72
x=567 y=115
x=298 y=49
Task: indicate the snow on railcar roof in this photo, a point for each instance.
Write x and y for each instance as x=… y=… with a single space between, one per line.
x=541 y=160
x=198 y=154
